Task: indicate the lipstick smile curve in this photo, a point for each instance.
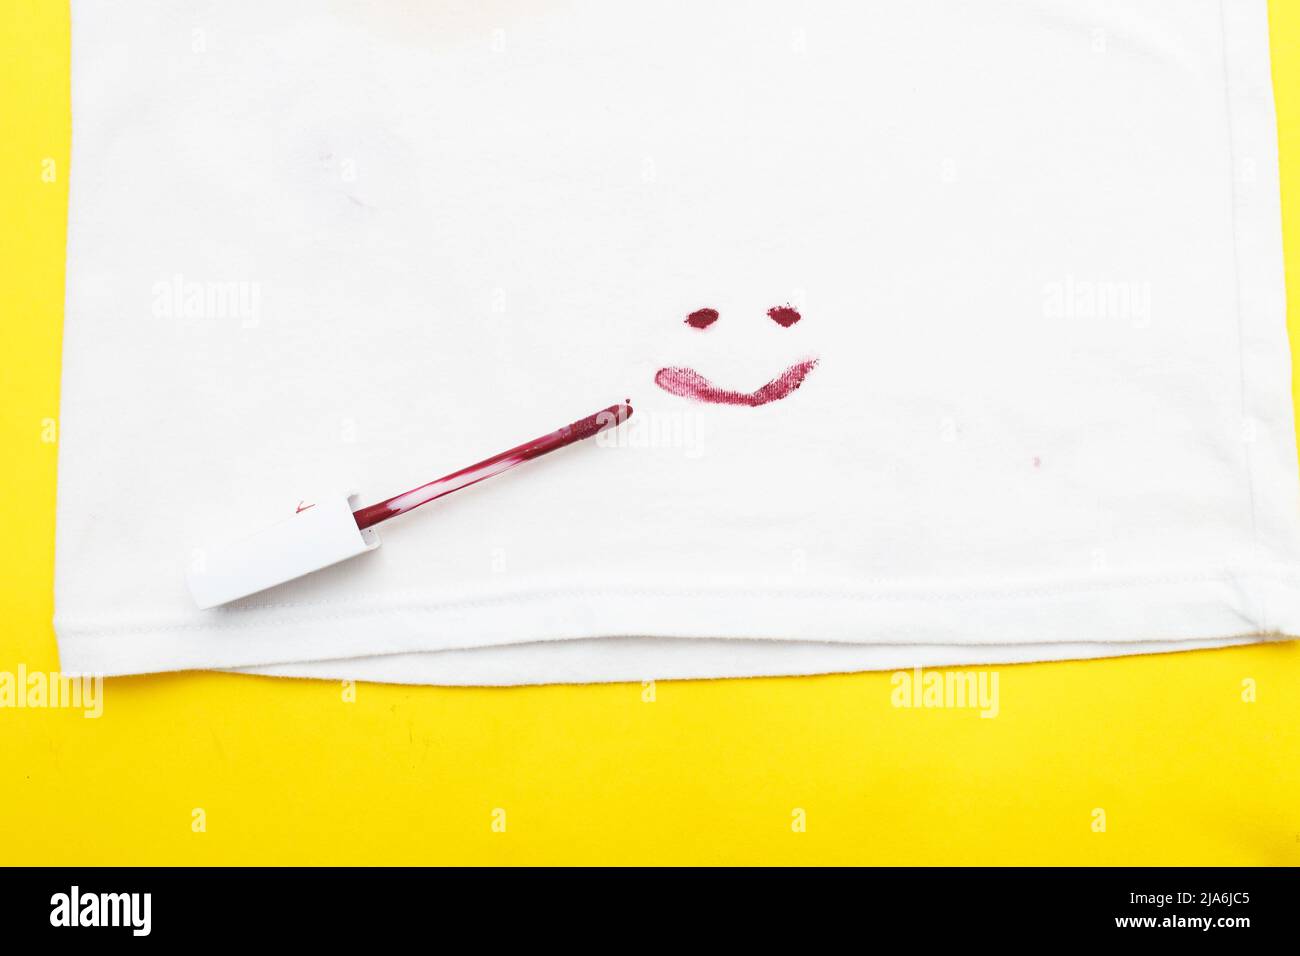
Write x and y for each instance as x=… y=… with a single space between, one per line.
x=688 y=383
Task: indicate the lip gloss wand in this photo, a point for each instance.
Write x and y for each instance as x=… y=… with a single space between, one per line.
x=613 y=416
x=327 y=530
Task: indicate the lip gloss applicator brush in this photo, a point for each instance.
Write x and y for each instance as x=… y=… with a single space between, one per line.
x=326 y=530
x=584 y=428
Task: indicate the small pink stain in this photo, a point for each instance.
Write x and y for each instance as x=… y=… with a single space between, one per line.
x=702 y=318
x=784 y=315
x=1037 y=461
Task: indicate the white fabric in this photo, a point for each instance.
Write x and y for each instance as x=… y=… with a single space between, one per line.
x=353 y=246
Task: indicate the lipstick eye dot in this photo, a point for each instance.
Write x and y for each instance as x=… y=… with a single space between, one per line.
x=784 y=315
x=702 y=318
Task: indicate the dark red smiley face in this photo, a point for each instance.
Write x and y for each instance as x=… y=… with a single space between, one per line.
x=688 y=383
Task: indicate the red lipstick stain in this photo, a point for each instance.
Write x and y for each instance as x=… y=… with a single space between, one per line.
x=688 y=383
x=702 y=318
x=784 y=315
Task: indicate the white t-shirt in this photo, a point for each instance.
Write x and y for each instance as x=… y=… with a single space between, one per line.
x=955 y=333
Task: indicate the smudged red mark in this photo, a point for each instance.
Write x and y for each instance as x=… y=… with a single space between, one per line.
x=702 y=318
x=1037 y=462
x=688 y=383
x=301 y=507
x=783 y=315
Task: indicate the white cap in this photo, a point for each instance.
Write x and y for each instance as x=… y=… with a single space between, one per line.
x=322 y=532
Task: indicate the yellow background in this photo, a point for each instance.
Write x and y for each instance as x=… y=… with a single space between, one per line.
x=709 y=772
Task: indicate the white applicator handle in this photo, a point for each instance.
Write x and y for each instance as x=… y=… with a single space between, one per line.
x=322 y=533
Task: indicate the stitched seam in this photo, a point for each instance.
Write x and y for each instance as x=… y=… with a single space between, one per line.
x=668 y=593
x=1247 y=457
